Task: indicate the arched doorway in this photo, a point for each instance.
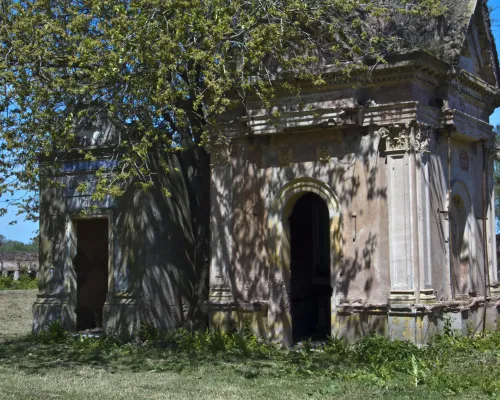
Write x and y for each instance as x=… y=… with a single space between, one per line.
x=310 y=283
x=459 y=248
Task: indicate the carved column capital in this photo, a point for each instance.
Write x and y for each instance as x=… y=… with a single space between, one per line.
x=219 y=148
x=396 y=136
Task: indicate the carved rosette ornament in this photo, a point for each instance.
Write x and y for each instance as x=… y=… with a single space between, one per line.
x=396 y=136
x=285 y=156
x=219 y=149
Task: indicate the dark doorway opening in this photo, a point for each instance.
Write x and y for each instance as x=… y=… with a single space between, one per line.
x=460 y=257
x=91 y=267
x=311 y=289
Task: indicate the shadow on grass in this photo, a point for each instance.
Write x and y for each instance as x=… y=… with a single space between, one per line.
x=38 y=355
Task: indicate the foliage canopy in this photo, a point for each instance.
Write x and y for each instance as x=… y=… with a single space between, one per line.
x=163 y=70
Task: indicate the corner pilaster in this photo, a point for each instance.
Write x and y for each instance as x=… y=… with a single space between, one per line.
x=220 y=293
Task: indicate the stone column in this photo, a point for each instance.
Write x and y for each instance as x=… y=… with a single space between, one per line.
x=220 y=294
x=491 y=230
x=406 y=148
x=421 y=146
x=402 y=219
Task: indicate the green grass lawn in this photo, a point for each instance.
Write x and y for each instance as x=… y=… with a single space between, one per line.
x=15 y=313
x=204 y=366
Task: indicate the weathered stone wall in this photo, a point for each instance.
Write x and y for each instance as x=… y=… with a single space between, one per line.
x=381 y=152
x=154 y=272
x=354 y=171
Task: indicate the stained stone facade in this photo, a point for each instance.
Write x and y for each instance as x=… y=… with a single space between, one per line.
x=403 y=168
x=366 y=208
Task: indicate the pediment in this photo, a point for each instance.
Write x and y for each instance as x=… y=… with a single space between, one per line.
x=479 y=54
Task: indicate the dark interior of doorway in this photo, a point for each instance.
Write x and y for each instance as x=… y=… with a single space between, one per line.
x=91 y=267
x=311 y=289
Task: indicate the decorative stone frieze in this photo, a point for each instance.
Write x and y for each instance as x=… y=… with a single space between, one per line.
x=219 y=149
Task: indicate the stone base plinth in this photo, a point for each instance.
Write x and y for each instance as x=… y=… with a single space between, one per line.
x=120 y=314
x=49 y=309
x=410 y=323
x=495 y=292
x=402 y=297
x=427 y=296
x=352 y=322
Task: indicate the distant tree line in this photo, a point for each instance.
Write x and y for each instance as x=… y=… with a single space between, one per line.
x=15 y=245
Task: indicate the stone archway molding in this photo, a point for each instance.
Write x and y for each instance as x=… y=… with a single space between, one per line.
x=280 y=208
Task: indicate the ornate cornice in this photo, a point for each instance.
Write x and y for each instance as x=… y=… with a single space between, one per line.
x=465 y=124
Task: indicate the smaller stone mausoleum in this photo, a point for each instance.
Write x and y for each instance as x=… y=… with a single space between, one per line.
x=368 y=207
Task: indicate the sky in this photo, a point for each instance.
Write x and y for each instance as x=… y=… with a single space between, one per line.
x=25 y=230
x=495 y=21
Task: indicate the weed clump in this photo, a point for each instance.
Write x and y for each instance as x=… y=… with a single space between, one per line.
x=24 y=282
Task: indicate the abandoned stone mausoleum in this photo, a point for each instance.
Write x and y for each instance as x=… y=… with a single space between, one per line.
x=366 y=208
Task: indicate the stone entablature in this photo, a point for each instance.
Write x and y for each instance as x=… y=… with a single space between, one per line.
x=473 y=129
x=323 y=108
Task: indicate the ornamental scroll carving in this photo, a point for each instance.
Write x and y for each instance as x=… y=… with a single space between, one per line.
x=423 y=138
x=219 y=149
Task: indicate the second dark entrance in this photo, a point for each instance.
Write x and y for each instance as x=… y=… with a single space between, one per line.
x=91 y=267
x=310 y=269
